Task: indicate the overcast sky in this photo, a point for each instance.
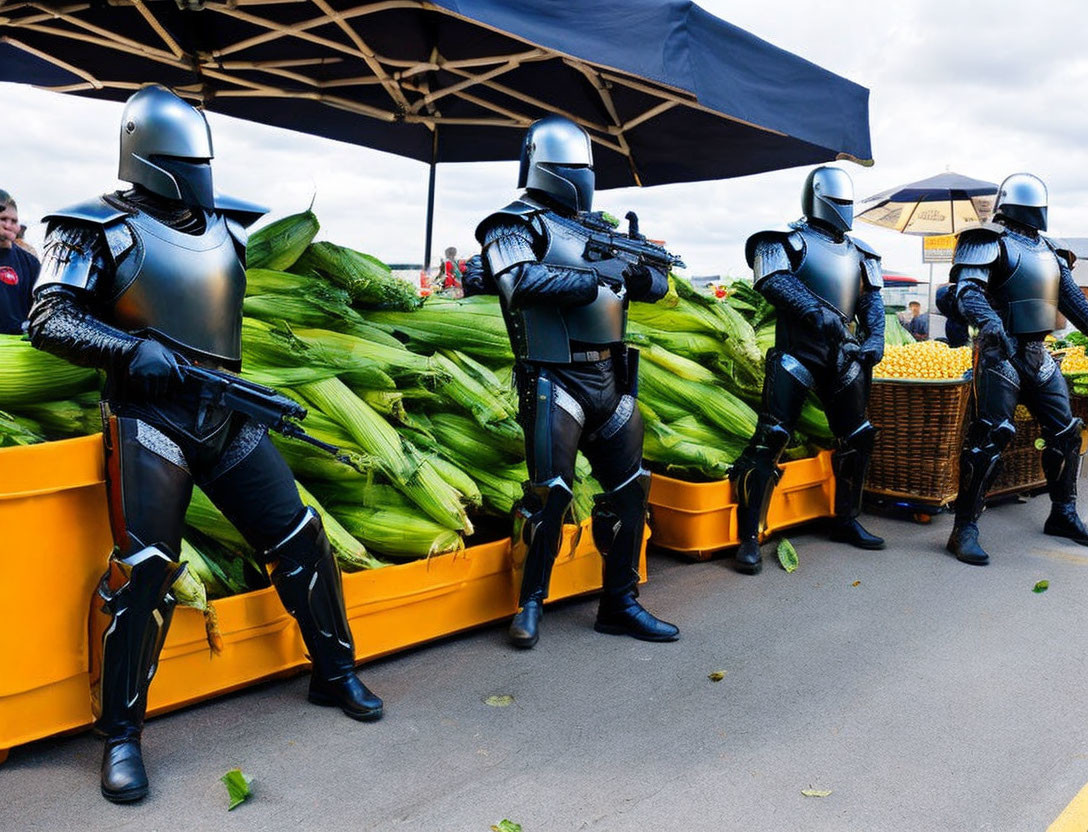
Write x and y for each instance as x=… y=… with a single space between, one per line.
x=982 y=89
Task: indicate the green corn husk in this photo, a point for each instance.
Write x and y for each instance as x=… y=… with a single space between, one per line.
x=32 y=376
x=190 y=591
x=404 y=467
x=279 y=244
x=368 y=280
x=694 y=345
x=500 y=487
x=678 y=366
x=300 y=312
x=695 y=431
x=314 y=289
x=343 y=350
x=664 y=447
x=398 y=534
x=717 y=405
x=77 y=416
x=813 y=421
x=389 y=403
x=350 y=553
x=312 y=463
x=462 y=440
x=479 y=332
x=233 y=572
x=480 y=373
x=19 y=430
x=366 y=427
x=456 y=477
x=456 y=384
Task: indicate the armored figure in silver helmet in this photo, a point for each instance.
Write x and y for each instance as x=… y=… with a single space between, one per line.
x=137 y=283
x=821 y=280
x=1010 y=281
x=564 y=301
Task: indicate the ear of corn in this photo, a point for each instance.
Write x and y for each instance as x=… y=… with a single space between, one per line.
x=398 y=534
x=30 y=376
x=279 y=244
x=368 y=280
x=350 y=553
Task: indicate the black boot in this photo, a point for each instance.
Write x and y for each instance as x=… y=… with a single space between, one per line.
x=136 y=590
x=619 y=519
x=748 y=559
x=1065 y=522
x=1061 y=464
x=308 y=582
x=980 y=464
x=754 y=476
x=525 y=628
x=849 y=530
x=963 y=543
x=850 y=464
x=540 y=514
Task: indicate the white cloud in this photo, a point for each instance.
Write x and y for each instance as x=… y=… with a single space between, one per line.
x=981 y=89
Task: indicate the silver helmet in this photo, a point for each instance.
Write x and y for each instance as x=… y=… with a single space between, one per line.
x=1022 y=198
x=557 y=158
x=166 y=146
x=828 y=197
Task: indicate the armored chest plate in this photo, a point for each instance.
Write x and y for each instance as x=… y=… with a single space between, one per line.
x=188 y=289
x=1029 y=294
x=603 y=321
x=832 y=271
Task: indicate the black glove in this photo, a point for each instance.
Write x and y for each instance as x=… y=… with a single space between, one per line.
x=616 y=284
x=992 y=337
x=475 y=280
x=871 y=352
x=825 y=322
x=849 y=352
x=639 y=280
x=152 y=369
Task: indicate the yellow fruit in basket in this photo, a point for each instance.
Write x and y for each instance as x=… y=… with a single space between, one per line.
x=1074 y=360
x=930 y=360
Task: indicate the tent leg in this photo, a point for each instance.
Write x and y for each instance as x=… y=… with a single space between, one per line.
x=430 y=220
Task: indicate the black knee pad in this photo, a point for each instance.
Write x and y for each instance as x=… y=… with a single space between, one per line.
x=303 y=544
x=623 y=506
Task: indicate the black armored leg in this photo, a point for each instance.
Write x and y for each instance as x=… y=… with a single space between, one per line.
x=619 y=518
x=141 y=607
x=850 y=464
x=308 y=582
x=1061 y=464
x=543 y=508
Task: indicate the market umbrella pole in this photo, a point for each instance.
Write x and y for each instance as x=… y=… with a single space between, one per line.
x=430 y=203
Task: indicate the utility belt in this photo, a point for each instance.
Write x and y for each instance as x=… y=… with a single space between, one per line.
x=622 y=358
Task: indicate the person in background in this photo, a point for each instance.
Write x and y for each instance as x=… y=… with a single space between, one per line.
x=1011 y=281
x=18 y=270
x=918 y=325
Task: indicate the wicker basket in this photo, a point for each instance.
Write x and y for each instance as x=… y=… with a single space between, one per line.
x=917 y=453
x=1021 y=461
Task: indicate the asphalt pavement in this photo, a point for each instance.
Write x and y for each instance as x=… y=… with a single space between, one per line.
x=922 y=693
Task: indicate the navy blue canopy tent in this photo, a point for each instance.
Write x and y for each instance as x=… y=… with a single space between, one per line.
x=668 y=92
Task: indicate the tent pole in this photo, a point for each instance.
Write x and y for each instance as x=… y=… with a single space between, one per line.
x=430 y=202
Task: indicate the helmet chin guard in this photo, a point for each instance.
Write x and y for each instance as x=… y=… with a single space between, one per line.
x=1022 y=198
x=828 y=197
x=166 y=146
x=557 y=159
